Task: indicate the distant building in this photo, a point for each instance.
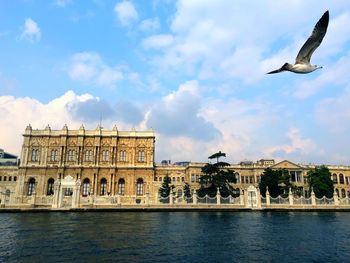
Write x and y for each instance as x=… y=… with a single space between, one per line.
x=8 y=159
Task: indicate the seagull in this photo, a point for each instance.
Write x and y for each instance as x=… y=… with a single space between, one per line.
x=302 y=61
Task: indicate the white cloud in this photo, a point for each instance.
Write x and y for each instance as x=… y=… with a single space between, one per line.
x=216 y=39
x=334 y=114
x=31 y=30
x=178 y=114
x=126 y=12
x=69 y=108
x=151 y=24
x=331 y=75
x=157 y=41
x=62 y=3
x=296 y=144
x=89 y=67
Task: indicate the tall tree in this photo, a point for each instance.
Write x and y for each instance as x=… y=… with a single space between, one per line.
x=164 y=190
x=321 y=182
x=278 y=182
x=215 y=176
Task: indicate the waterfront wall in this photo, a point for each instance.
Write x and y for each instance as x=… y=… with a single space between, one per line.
x=249 y=198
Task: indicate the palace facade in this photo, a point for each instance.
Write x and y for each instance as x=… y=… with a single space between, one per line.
x=77 y=168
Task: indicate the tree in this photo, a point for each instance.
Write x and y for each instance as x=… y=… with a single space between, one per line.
x=187 y=190
x=321 y=181
x=278 y=182
x=164 y=190
x=215 y=176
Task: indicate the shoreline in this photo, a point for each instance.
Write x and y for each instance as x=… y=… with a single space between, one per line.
x=173 y=209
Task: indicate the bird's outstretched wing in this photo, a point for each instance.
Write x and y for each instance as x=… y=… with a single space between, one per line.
x=313 y=41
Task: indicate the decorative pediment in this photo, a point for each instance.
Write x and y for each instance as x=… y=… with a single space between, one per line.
x=286 y=165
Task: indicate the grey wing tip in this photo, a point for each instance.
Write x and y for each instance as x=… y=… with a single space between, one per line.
x=274 y=71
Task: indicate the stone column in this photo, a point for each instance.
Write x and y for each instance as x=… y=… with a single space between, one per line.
x=290 y=196
x=55 y=199
x=218 y=197
x=313 y=197
x=118 y=199
x=336 y=198
x=267 y=195
x=33 y=198
x=60 y=198
x=194 y=197
x=258 y=198
x=171 y=201
x=147 y=199
x=3 y=198
x=241 y=197
x=76 y=195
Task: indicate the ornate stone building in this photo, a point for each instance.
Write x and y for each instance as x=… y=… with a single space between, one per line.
x=98 y=162
x=84 y=168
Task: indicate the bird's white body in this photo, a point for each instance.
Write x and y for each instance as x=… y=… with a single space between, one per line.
x=303 y=68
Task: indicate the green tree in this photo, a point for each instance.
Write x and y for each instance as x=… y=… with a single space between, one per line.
x=215 y=176
x=164 y=190
x=187 y=190
x=278 y=182
x=321 y=182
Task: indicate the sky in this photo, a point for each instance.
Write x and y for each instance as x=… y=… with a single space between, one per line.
x=192 y=70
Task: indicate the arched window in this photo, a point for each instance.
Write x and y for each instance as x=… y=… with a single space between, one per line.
x=141 y=156
x=50 y=184
x=335 y=178
x=121 y=186
x=105 y=155
x=343 y=193
x=103 y=187
x=35 y=155
x=88 y=155
x=71 y=155
x=86 y=187
x=337 y=191
x=122 y=156
x=53 y=155
x=341 y=178
x=179 y=193
x=139 y=186
x=31 y=186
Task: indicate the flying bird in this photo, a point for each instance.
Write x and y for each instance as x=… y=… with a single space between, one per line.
x=302 y=61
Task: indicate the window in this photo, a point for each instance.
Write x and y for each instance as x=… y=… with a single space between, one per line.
x=105 y=156
x=335 y=179
x=14 y=178
x=250 y=179
x=121 y=186
x=86 y=187
x=182 y=179
x=68 y=192
x=341 y=178
x=122 y=156
x=10 y=178
x=50 y=184
x=103 y=186
x=242 y=179
x=71 y=155
x=35 y=155
x=139 y=186
x=343 y=193
x=5 y=178
x=53 y=155
x=88 y=155
x=347 y=180
x=193 y=178
x=0 y=178
x=31 y=186
x=141 y=156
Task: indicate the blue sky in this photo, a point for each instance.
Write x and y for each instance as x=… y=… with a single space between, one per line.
x=194 y=71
